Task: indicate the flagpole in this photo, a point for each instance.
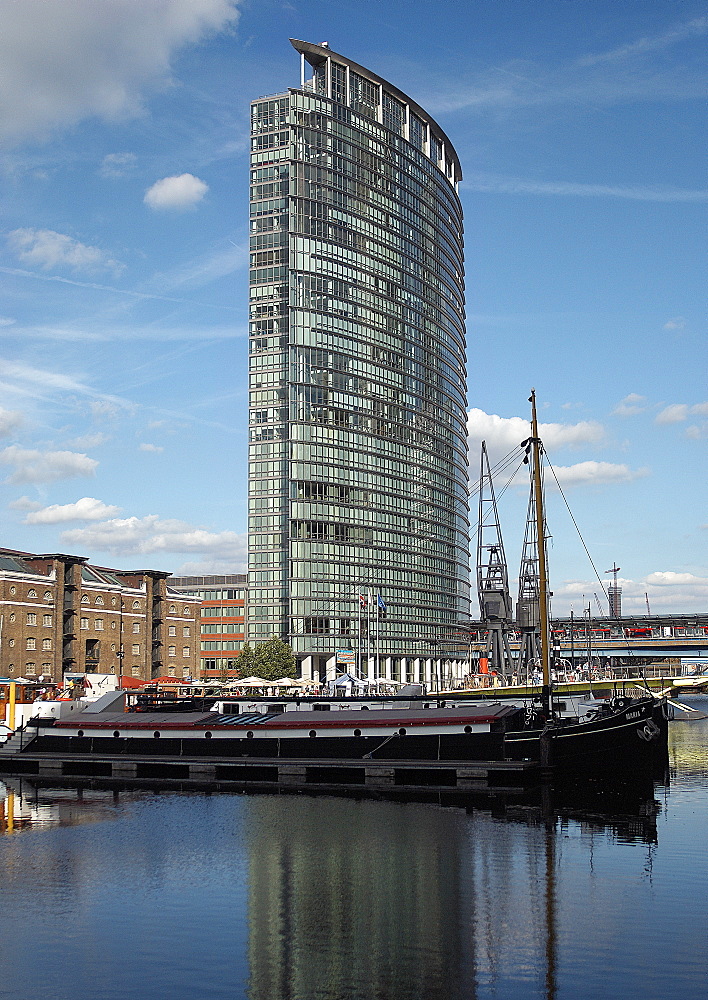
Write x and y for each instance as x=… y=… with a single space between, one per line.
x=368 y=632
x=358 y=632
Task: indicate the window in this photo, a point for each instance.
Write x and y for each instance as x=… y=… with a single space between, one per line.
x=135 y=671
x=48 y=595
x=46 y=643
x=172 y=609
x=172 y=651
x=186 y=611
x=13 y=590
x=136 y=604
x=31 y=643
x=31 y=618
x=11 y=642
x=84 y=599
x=98 y=624
x=30 y=668
x=172 y=630
x=99 y=601
x=136 y=649
x=32 y=593
x=47 y=620
x=12 y=617
x=84 y=623
x=185 y=652
x=186 y=632
x=136 y=626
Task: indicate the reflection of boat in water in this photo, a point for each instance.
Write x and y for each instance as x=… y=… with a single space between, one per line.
x=624 y=731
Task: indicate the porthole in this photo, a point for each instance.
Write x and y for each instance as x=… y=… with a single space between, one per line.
x=207 y=736
x=401 y=732
x=116 y=733
x=313 y=733
x=81 y=732
x=468 y=729
x=357 y=732
x=249 y=734
x=156 y=735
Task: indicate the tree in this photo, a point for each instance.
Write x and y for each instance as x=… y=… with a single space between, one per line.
x=274 y=659
x=246 y=662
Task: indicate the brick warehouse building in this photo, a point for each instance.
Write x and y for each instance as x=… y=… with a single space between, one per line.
x=59 y=614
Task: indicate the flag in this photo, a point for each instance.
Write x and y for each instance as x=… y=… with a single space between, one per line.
x=381 y=605
x=362 y=602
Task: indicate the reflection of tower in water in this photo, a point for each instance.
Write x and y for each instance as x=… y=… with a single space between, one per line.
x=358 y=898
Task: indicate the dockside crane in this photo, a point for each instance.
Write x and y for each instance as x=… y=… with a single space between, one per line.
x=492 y=575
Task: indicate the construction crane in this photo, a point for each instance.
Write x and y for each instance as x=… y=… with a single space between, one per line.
x=615 y=593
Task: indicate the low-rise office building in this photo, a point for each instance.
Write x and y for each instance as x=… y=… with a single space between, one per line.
x=222 y=621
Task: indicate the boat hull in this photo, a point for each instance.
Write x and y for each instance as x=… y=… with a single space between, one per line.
x=631 y=734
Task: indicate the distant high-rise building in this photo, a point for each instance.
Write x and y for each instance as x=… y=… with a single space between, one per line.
x=358 y=498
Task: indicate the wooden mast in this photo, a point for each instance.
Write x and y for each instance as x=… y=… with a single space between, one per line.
x=542 y=574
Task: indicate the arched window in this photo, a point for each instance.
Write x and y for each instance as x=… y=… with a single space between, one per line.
x=32 y=593
x=84 y=599
x=99 y=600
x=136 y=604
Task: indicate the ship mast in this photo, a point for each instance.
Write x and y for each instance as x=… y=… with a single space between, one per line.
x=536 y=451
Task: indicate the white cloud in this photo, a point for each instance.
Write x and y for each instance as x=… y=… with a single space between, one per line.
x=696 y=433
x=116 y=165
x=46 y=466
x=47 y=249
x=87 y=441
x=701 y=409
x=677 y=323
x=595 y=474
x=133 y=536
x=689 y=29
x=24 y=503
x=184 y=191
x=63 y=62
x=85 y=509
x=156 y=448
x=496 y=184
x=10 y=420
x=7 y=321
x=673 y=414
x=504 y=433
x=630 y=405
x=667 y=590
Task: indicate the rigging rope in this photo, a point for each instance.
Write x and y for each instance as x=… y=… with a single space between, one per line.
x=575 y=524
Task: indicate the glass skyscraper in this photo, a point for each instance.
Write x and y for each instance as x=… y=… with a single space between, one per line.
x=358 y=498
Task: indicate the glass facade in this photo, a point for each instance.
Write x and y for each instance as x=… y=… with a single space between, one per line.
x=357 y=394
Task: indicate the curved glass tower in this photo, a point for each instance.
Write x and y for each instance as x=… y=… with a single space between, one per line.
x=358 y=500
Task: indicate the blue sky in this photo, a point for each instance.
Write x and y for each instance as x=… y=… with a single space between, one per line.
x=123 y=266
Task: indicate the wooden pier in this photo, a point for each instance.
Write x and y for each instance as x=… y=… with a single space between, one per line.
x=253 y=772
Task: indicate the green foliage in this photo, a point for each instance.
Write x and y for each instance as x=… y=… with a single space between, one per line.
x=246 y=661
x=274 y=659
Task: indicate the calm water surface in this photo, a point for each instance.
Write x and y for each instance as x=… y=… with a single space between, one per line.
x=136 y=894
